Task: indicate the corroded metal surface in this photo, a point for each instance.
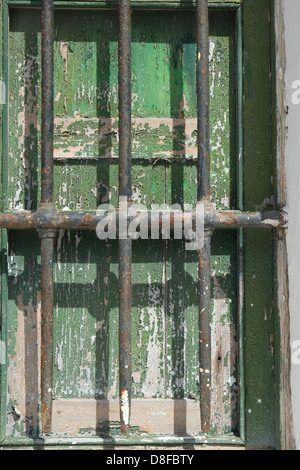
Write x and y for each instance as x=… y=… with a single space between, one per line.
x=49 y=218
x=202 y=72
x=204 y=256
x=125 y=248
x=46 y=331
x=47 y=236
x=47 y=22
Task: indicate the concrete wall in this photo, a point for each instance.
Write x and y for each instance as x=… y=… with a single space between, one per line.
x=291 y=16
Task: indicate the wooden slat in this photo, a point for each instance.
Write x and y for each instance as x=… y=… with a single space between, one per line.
x=149 y=416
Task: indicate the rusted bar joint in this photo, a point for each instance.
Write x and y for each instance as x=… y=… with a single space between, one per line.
x=46 y=217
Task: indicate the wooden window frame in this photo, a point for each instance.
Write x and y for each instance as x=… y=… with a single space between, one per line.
x=258 y=428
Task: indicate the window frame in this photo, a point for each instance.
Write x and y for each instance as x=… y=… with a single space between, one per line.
x=250 y=435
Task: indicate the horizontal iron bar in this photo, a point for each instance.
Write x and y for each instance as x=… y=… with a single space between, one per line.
x=51 y=219
x=147 y=4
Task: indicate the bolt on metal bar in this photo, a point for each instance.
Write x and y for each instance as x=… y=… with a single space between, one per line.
x=202 y=71
x=47 y=236
x=125 y=243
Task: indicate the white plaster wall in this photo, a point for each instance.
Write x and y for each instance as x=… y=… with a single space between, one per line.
x=292 y=42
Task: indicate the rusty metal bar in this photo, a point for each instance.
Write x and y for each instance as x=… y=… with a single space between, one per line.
x=46 y=331
x=125 y=243
x=47 y=23
x=49 y=219
x=202 y=71
x=205 y=332
x=47 y=236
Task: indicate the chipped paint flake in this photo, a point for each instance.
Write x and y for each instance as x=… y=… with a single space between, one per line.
x=125 y=406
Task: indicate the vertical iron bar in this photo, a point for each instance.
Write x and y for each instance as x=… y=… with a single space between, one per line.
x=47 y=236
x=202 y=71
x=47 y=21
x=203 y=100
x=205 y=332
x=125 y=244
x=46 y=330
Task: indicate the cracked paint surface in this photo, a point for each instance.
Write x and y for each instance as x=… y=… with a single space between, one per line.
x=165 y=310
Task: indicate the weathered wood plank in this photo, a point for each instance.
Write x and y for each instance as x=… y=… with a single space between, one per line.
x=164 y=121
x=260 y=315
x=73 y=417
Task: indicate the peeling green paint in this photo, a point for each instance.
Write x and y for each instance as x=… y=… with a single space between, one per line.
x=165 y=312
x=260 y=319
x=164 y=114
